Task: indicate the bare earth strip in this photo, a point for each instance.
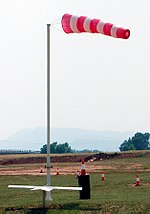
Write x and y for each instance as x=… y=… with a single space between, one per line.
x=66 y=170
x=71 y=164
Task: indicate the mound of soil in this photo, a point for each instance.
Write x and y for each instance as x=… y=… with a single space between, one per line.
x=72 y=158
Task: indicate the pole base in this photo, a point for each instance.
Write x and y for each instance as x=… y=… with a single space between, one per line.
x=48 y=196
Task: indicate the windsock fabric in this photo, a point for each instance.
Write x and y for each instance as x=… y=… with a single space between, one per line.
x=75 y=24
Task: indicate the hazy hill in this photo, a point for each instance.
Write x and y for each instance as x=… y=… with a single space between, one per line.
x=33 y=139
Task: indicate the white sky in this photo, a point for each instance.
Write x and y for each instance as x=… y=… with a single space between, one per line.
x=98 y=82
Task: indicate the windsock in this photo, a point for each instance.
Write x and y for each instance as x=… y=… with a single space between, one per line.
x=75 y=24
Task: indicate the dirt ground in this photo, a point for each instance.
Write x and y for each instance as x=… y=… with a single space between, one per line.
x=65 y=170
x=65 y=164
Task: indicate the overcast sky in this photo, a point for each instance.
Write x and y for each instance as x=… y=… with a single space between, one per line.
x=97 y=82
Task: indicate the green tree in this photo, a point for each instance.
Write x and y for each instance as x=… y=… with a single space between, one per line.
x=43 y=150
x=138 y=142
x=53 y=148
x=57 y=148
x=141 y=141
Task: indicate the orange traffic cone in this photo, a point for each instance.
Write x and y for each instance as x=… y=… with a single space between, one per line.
x=83 y=170
x=57 y=171
x=103 y=176
x=137 y=181
x=41 y=169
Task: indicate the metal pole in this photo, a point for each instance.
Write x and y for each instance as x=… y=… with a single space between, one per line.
x=48 y=197
x=48 y=105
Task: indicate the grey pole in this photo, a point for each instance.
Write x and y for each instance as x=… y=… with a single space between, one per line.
x=48 y=105
x=48 y=197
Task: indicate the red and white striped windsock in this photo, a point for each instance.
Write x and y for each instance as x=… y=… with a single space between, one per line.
x=75 y=24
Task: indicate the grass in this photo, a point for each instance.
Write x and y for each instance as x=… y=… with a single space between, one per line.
x=116 y=195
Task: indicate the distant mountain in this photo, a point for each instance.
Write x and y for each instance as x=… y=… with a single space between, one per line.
x=79 y=139
x=90 y=139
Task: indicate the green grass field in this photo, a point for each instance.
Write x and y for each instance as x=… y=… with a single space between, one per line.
x=117 y=194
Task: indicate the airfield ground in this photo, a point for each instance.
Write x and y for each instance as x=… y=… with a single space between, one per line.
x=117 y=194
x=70 y=164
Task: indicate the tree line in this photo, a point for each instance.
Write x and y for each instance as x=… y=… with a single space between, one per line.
x=139 y=141
x=56 y=148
